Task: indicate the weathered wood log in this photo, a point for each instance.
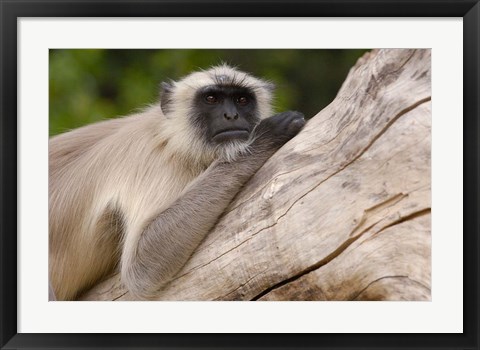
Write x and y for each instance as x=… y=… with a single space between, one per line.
x=341 y=212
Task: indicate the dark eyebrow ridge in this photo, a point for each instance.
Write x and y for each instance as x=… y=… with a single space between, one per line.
x=228 y=89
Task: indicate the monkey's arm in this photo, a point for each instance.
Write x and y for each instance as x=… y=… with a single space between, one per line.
x=169 y=239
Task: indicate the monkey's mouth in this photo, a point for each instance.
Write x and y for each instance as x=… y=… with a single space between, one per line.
x=231 y=134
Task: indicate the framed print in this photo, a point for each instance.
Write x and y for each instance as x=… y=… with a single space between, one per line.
x=351 y=223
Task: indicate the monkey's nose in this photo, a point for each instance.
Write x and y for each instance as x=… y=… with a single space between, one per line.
x=230 y=117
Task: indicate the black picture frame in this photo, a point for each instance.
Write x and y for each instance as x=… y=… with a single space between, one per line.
x=12 y=10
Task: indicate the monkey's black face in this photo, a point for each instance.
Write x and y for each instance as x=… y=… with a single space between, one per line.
x=225 y=113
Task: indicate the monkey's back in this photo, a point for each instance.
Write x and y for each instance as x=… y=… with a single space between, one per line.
x=104 y=180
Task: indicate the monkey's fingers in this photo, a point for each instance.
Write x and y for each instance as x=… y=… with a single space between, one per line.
x=296 y=124
x=290 y=124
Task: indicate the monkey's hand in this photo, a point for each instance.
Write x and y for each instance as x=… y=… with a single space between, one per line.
x=271 y=134
x=275 y=131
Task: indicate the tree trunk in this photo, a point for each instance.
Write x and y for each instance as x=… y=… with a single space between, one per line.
x=341 y=212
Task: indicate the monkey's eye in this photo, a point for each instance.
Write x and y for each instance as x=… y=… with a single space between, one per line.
x=211 y=99
x=242 y=100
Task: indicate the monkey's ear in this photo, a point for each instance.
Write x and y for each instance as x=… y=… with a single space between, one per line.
x=166 y=93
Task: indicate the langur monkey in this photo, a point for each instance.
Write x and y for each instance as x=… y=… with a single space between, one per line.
x=140 y=193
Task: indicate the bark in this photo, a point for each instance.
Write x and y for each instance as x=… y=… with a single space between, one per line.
x=341 y=212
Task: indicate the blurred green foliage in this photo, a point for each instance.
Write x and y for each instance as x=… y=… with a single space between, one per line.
x=87 y=85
